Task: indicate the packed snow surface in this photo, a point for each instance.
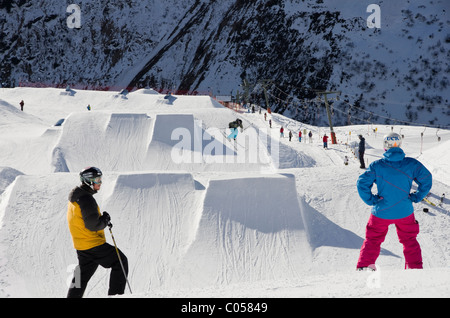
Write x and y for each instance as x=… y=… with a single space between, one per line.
x=199 y=215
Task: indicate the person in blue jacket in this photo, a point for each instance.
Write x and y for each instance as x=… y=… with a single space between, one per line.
x=393 y=204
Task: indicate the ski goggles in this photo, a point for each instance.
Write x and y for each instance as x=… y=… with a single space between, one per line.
x=97 y=180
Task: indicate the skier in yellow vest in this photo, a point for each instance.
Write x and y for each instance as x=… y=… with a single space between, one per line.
x=86 y=225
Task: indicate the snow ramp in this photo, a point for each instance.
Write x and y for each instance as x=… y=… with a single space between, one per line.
x=12 y=116
x=180 y=142
x=178 y=233
x=114 y=142
x=251 y=229
x=174 y=231
x=155 y=216
x=137 y=142
x=34 y=237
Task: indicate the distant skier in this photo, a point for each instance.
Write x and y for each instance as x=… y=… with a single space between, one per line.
x=393 y=204
x=234 y=125
x=310 y=136
x=86 y=225
x=89 y=107
x=300 y=136
x=270 y=123
x=21 y=105
x=290 y=135
x=281 y=132
x=361 y=150
x=325 y=141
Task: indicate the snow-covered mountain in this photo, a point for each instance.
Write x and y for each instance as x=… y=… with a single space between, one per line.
x=394 y=74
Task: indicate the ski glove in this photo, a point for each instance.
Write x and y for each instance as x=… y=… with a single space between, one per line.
x=107 y=218
x=413 y=197
x=376 y=198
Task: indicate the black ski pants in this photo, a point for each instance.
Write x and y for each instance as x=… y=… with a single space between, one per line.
x=361 y=159
x=106 y=256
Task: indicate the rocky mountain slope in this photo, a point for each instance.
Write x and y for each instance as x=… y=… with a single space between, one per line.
x=395 y=74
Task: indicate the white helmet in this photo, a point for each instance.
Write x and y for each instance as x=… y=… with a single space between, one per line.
x=392 y=140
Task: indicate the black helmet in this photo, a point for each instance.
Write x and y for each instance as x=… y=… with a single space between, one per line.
x=91 y=175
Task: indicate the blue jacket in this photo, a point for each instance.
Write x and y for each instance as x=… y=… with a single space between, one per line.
x=393 y=176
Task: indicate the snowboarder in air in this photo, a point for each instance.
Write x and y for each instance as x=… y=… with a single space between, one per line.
x=86 y=225
x=234 y=125
x=393 y=204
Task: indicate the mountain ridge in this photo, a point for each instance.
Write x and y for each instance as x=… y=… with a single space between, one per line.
x=397 y=73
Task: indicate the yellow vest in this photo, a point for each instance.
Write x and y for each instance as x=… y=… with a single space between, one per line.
x=83 y=239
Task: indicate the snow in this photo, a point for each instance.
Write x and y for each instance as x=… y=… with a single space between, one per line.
x=198 y=215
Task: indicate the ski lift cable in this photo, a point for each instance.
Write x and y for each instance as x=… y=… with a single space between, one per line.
x=369 y=112
x=397 y=103
x=357 y=96
x=390 y=118
x=403 y=121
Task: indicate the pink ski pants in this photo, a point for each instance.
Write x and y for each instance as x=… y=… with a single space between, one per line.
x=376 y=230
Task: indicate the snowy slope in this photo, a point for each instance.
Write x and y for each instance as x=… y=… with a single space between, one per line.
x=286 y=224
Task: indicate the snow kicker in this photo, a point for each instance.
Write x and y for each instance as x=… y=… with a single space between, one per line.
x=251 y=228
x=136 y=142
x=111 y=141
x=174 y=231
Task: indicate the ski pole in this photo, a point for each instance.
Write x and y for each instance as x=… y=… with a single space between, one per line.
x=118 y=255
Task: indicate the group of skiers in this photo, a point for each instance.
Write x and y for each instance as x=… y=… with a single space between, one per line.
x=290 y=135
x=234 y=125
